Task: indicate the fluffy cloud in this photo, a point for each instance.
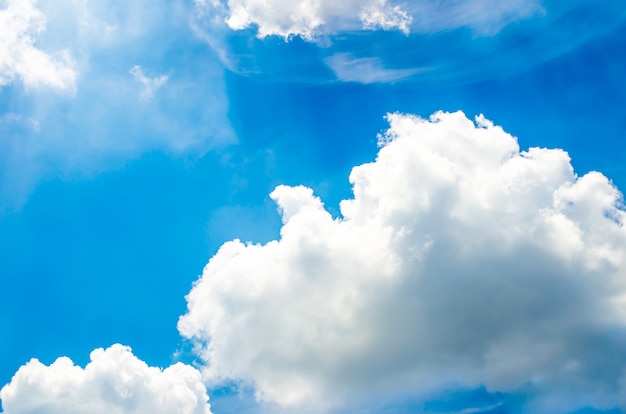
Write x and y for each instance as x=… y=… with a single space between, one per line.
x=310 y=18
x=287 y=18
x=461 y=261
x=115 y=381
x=20 y=24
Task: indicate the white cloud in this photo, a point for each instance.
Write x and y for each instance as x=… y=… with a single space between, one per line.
x=311 y=18
x=108 y=39
x=12 y=118
x=484 y=17
x=384 y=16
x=114 y=382
x=461 y=261
x=366 y=70
x=150 y=85
x=20 y=24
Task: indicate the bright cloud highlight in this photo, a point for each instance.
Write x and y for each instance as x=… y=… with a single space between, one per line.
x=115 y=381
x=20 y=24
x=461 y=262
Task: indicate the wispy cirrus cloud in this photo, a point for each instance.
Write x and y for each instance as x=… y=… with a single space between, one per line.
x=150 y=84
x=348 y=68
x=459 y=42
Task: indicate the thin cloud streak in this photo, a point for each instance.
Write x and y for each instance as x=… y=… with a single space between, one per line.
x=366 y=70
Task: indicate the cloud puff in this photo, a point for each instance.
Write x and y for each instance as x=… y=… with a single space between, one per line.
x=20 y=24
x=115 y=381
x=311 y=18
x=460 y=262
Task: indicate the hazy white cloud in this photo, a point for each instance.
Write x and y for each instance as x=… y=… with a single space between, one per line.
x=21 y=23
x=12 y=118
x=461 y=261
x=484 y=17
x=107 y=39
x=348 y=68
x=150 y=85
x=311 y=18
x=114 y=382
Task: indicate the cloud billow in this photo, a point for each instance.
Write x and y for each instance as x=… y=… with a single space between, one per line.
x=461 y=262
x=115 y=381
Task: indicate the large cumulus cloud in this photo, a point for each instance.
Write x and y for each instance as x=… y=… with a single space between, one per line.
x=461 y=261
x=115 y=381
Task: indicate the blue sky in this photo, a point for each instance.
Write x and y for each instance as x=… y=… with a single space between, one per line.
x=136 y=143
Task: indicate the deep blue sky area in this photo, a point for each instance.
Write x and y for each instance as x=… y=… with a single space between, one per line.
x=118 y=189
